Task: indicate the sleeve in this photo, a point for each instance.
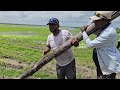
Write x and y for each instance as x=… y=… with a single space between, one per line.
x=99 y=42
x=69 y=35
x=48 y=41
x=89 y=22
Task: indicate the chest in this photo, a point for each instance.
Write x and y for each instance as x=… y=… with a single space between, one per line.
x=55 y=42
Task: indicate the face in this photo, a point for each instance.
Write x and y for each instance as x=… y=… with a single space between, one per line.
x=100 y=23
x=53 y=27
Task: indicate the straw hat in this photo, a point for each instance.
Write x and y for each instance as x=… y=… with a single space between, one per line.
x=102 y=15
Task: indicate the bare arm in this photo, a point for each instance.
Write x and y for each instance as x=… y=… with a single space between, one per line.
x=88 y=28
x=74 y=41
x=46 y=49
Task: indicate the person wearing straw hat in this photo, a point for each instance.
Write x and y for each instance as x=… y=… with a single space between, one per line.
x=105 y=54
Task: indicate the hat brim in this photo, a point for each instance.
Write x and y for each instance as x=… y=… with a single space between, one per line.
x=51 y=23
x=95 y=18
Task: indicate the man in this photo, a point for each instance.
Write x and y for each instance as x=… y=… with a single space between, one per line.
x=105 y=54
x=65 y=66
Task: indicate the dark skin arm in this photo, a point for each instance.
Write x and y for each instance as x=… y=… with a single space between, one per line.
x=46 y=49
x=74 y=41
x=83 y=28
x=87 y=28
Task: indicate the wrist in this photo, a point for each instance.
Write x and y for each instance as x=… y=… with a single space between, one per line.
x=83 y=32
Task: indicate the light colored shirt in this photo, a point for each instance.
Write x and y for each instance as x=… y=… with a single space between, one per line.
x=55 y=42
x=107 y=53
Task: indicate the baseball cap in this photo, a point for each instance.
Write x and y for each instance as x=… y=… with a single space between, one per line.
x=102 y=15
x=53 y=20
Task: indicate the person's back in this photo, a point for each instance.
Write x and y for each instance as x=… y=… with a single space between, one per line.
x=108 y=53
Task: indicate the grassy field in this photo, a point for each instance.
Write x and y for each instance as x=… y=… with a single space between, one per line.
x=21 y=47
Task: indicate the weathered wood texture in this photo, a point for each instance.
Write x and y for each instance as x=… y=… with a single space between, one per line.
x=50 y=56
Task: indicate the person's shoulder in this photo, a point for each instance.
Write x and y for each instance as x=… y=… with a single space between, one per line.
x=50 y=35
x=110 y=28
x=65 y=31
x=111 y=31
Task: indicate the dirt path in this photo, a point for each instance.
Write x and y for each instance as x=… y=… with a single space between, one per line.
x=12 y=63
x=82 y=71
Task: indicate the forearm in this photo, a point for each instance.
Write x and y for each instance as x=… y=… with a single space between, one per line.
x=86 y=39
x=46 y=50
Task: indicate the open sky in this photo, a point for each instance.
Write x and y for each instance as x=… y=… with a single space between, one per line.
x=66 y=18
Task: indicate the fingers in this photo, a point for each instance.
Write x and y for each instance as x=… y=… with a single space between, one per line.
x=83 y=28
x=74 y=42
x=45 y=51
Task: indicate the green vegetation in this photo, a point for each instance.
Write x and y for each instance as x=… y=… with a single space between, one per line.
x=24 y=44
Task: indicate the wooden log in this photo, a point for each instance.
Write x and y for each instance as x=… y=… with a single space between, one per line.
x=50 y=56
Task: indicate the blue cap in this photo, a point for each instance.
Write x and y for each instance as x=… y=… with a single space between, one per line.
x=54 y=21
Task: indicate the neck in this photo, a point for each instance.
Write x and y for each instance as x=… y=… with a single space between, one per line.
x=56 y=32
x=104 y=27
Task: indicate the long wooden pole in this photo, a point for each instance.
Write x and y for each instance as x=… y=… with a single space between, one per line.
x=50 y=56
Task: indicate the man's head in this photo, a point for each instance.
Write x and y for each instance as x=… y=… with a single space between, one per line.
x=53 y=24
x=101 y=18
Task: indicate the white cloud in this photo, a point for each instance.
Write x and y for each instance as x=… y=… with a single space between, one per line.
x=42 y=17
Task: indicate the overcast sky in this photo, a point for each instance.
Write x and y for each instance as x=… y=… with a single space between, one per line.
x=66 y=18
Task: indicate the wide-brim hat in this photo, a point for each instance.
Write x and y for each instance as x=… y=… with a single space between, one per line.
x=102 y=15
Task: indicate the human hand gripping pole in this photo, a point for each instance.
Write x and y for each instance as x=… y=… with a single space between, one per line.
x=50 y=56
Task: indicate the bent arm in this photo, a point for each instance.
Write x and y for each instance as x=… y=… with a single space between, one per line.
x=99 y=42
x=46 y=49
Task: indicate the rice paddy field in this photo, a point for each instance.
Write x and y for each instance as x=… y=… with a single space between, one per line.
x=22 y=46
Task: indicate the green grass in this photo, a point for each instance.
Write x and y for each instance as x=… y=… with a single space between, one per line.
x=25 y=44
